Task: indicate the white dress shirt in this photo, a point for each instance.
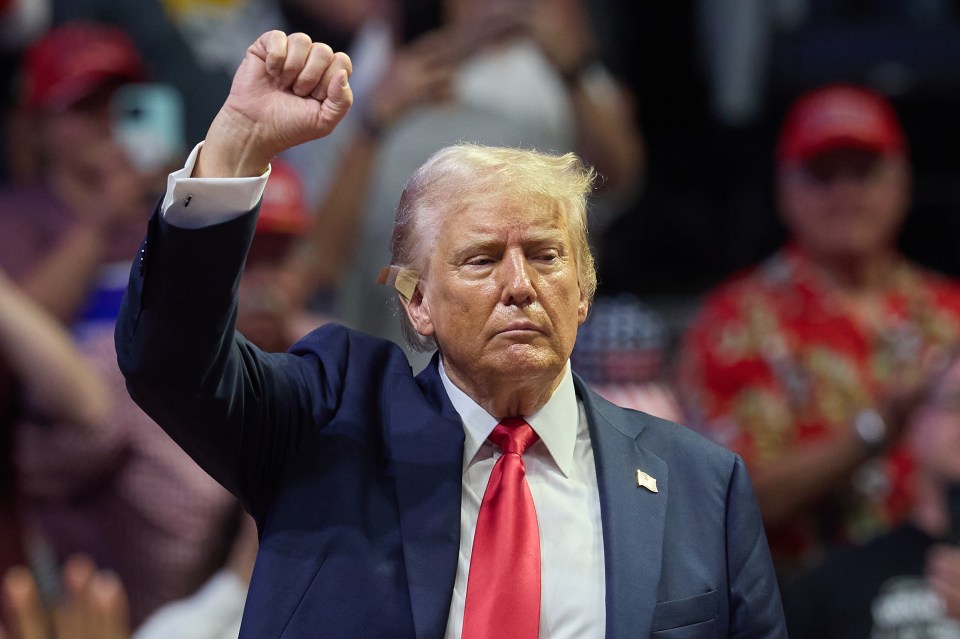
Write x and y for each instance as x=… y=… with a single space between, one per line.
x=560 y=467
x=563 y=481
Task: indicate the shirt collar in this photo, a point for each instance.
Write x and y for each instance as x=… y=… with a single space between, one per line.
x=556 y=423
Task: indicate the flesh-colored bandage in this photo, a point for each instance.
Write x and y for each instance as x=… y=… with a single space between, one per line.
x=403 y=279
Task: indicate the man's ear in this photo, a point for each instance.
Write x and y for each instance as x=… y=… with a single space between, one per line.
x=583 y=306
x=418 y=312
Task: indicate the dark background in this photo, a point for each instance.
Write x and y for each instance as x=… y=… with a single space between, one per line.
x=708 y=209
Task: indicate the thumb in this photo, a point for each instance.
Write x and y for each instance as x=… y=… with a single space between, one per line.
x=339 y=99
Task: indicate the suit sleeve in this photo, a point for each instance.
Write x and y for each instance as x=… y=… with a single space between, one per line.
x=233 y=408
x=755 y=607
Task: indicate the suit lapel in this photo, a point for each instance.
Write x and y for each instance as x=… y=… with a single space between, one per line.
x=425 y=435
x=633 y=517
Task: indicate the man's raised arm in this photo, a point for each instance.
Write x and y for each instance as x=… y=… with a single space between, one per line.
x=175 y=340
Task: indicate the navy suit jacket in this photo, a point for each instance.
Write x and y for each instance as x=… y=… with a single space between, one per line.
x=351 y=466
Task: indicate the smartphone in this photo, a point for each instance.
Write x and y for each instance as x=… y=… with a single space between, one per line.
x=147 y=122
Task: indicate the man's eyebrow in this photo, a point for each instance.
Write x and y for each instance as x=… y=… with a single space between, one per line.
x=552 y=237
x=475 y=245
x=488 y=241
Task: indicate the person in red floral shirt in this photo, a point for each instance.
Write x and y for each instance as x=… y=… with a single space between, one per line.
x=808 y=363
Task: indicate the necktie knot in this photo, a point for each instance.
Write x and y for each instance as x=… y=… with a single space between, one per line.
x=513 y=435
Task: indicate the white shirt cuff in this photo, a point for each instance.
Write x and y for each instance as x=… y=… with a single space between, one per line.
x=194 y=203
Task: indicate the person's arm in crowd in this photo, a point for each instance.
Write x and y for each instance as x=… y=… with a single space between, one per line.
x=104 y=197
x=784 y=484
x=60 y=282
x=58 y=460
x=316 y=261
x=58 y=382
x=608 y=135
x=94 y=605
x=811 y=471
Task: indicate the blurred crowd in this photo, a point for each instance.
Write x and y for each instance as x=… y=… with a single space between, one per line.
x=832 y=365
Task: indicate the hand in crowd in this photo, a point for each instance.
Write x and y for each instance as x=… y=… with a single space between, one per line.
x=55 y=379
x=288 y=90
x=562 y=29
x=913 y=384
x=422 y=72
x=943 y=575
x=419 y=73
x=477 y=24
x=93 y=605
x=101 y=183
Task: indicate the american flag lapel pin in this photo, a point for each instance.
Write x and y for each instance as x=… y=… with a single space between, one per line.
x=646 y=481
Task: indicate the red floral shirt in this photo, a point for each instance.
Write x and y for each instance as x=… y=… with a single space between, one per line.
x=777 y=358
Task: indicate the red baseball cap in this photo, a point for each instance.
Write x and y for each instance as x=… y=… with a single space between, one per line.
x=839 y=116
x=284 y=206
x=72 y=61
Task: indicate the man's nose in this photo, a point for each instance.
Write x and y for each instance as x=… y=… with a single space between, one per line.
x=517 y=279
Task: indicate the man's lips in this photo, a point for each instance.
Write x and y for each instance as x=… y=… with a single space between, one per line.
x=520 y=327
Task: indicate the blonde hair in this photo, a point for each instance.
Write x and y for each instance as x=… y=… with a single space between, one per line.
x=462 y=175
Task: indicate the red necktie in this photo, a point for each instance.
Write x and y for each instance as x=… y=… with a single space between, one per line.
x=503 y=589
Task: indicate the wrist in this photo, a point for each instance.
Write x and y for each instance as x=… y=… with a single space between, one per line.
x=871 y=430
x=573 y=73
x=372 y=125
x=376 y=117
x=231 y=149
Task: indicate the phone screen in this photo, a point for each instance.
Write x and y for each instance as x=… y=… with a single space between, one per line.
x=148 y=124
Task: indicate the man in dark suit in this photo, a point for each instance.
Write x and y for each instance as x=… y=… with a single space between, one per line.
x=369 y=484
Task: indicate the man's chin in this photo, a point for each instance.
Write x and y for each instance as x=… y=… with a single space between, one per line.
x=527 y=358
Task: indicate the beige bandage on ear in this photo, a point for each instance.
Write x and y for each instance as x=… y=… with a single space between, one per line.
x=403 y=279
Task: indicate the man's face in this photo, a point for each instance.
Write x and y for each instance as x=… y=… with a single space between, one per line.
x=846 y=203
x=501 y=295
x=68 y=132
